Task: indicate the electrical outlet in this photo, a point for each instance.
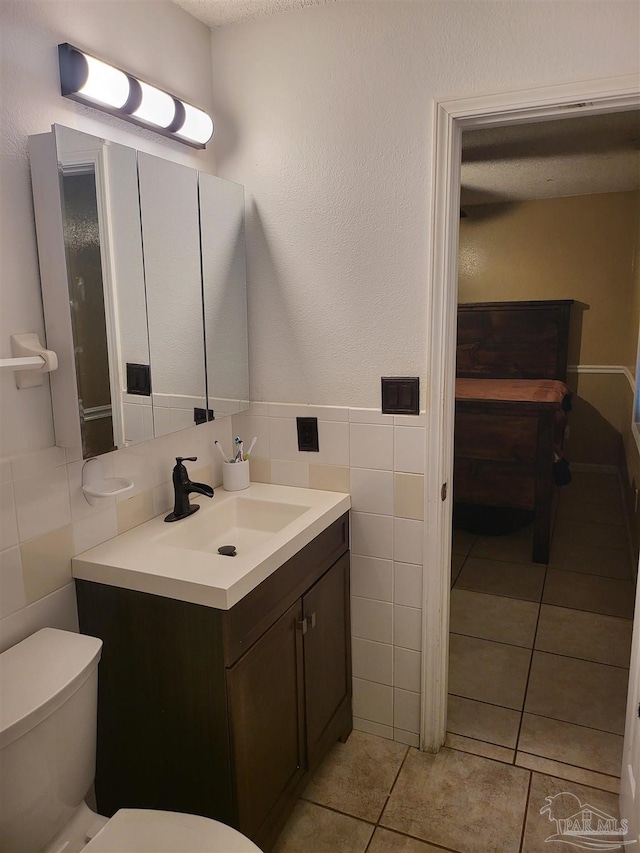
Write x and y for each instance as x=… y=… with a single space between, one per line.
x=308 y=434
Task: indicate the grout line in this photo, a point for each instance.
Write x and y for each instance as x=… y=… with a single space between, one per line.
x=566 y=764
x=526 y=687
x=584 y=660
x=526 y=809
x=572 y=781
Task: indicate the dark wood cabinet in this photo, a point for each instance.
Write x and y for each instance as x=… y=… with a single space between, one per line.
x=224 y=713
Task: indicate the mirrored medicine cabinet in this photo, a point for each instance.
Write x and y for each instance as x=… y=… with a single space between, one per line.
x=142 y=265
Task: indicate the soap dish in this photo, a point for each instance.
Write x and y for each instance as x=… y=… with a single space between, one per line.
x=95 y=486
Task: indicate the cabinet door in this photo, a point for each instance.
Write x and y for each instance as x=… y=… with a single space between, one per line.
x=266 y=710
x=327 y=659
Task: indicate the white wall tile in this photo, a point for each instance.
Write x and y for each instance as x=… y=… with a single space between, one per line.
x=410 y=738
x=372 y=491
x=407 y=540
x=407 y=627
x=410 y=420
x=371 y=620
x=406 y=710
x=290 y=473
x=373 y=701
x=372 y=661
x=287 y=410
x=8 y=518
x=371 y=446
x=80 y=506
x=57 y=610
x=372 y=578
x=360 y=725
x=13 y=629
x=133 y=463
x=33 y=464
x=247 y=426
x=372 y=535
x=407 y=584
x=12 y=594
x=328 y=413
x=163 y=498
x=407 y=669
x=283 y=441
x=333 y=443
x=258 y=409
x=409 y=450
x=5 y=471
x=369 y=416
x=42 y=502
x=94 y=529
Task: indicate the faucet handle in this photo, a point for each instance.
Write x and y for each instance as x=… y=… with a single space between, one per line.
x=181 y=459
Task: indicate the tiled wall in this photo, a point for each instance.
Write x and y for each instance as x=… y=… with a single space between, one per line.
x=380 y=460
x=45 y=519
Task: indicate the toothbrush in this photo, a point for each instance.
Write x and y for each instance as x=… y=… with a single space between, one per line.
x=251 y=446
x=239 y=456
x=222 y=453
x=238 y=445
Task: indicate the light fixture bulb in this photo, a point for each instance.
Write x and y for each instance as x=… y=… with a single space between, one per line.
x=157 y=107
x=197 y=126
x=105 y=84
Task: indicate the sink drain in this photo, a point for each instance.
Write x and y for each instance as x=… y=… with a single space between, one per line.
x=227 y=550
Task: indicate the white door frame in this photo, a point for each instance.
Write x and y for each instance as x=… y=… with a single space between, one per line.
x=450 y=118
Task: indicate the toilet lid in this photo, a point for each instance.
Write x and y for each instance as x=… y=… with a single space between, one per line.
x=145 y=831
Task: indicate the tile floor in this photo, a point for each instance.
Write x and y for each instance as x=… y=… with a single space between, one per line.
x=538 y=674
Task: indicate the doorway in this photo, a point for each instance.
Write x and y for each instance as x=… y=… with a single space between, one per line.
x=451 y=118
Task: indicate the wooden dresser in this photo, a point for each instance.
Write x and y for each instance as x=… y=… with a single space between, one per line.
x=511 y=369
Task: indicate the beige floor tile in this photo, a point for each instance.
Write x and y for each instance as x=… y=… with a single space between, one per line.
x=314 y=829
x=386 y=841
x=539 y=827
x=512 y=547
x=512 y=580
x=462 y=542
x=590 y=636
x=493 y=617
x=356 y=776
x=568 y=772
x=484 y=722
x=590 y=534
x=571 y=744
x=461 y=801
x=609 y=596
x=457 y=562
x=479 y=747
x=588 y=487
x=487 y=671
x=598 y=513
x=577 y=691
x=571 y=555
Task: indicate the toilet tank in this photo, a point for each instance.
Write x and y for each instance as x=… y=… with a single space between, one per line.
x=48 y=707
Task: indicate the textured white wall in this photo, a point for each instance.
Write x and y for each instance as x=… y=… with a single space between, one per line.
x=152 y=38
x=326 y=116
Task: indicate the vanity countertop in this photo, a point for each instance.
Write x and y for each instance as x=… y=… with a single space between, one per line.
x=180 y=560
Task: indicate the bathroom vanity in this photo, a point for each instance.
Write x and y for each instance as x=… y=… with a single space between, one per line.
x=222 y=711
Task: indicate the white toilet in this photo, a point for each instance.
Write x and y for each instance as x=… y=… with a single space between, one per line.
x=48 y=705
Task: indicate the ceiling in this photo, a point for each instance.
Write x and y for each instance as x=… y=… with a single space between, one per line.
x=218 y=13
x=574 y=156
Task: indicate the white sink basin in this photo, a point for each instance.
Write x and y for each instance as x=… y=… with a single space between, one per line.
x=267 y=525
x=243 y=522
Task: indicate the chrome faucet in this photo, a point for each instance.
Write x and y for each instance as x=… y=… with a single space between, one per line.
x=183 y=487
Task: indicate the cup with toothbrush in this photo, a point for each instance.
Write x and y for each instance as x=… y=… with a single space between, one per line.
x=235 y=470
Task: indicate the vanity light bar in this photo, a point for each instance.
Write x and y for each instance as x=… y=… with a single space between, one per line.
x=89 y=80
